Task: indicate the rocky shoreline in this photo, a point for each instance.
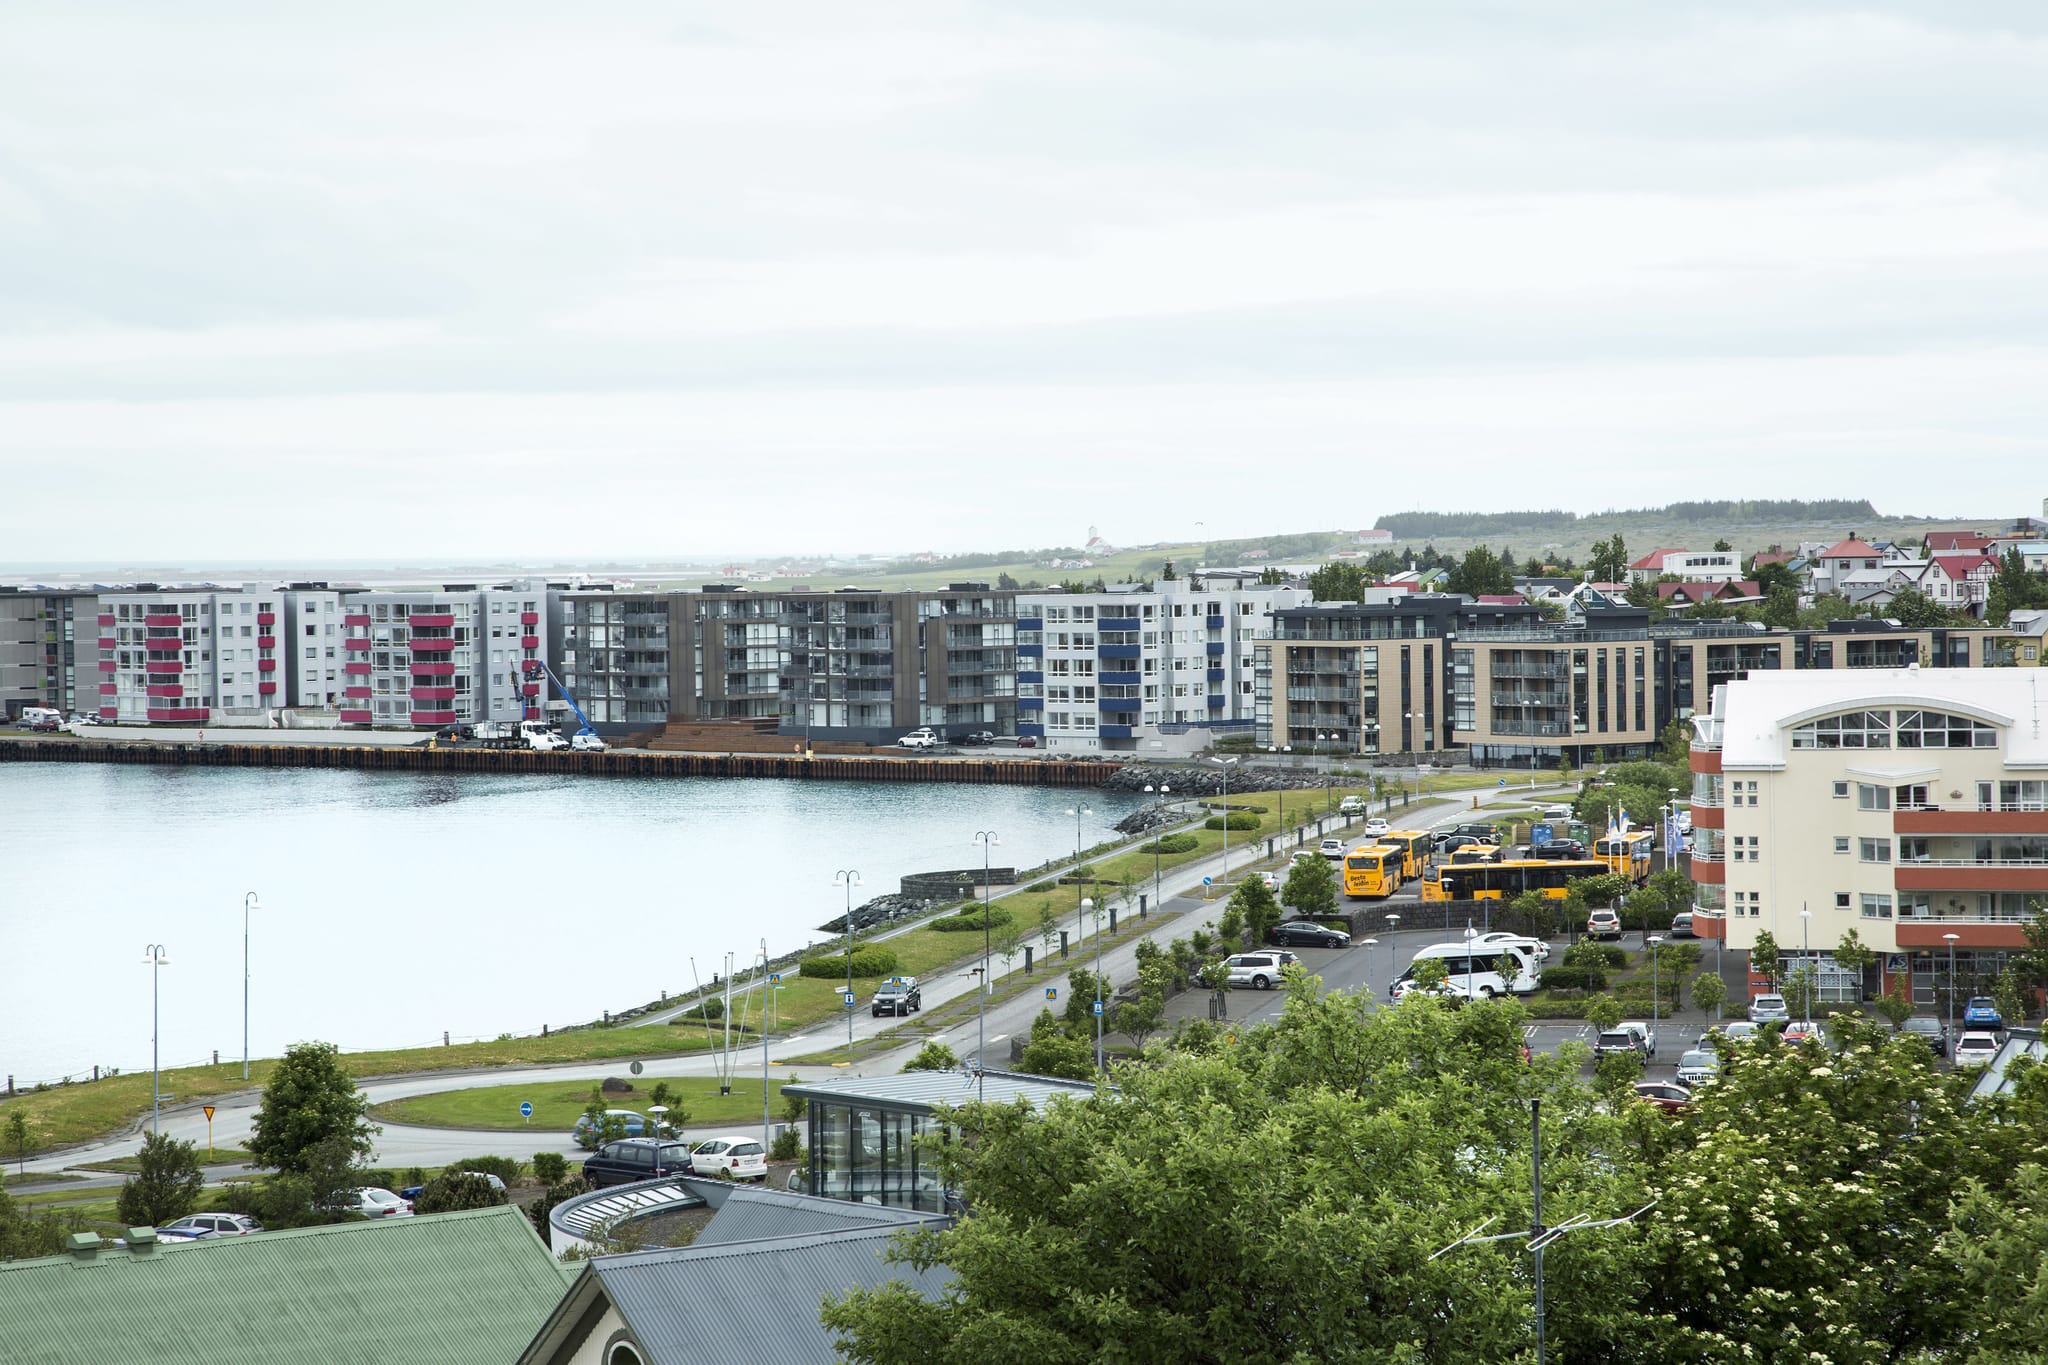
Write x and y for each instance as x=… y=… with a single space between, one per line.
x=1208 y=780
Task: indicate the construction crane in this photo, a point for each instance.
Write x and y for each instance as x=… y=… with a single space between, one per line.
x=586 y=737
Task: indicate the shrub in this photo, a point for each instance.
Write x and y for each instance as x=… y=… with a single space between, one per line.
x=1597 y=956
x=1043 y=886
x=869 y=961
x=456 y=1190
x=788 y=1145
x=1171 y=843
x=1573 y=979
x=714 y=1007
x=1238 y=820
x=503 y=1167
x=550 y=1167
x=997 y=917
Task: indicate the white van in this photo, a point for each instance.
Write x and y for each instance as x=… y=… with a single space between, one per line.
x=1351 y=805
x=32 y=716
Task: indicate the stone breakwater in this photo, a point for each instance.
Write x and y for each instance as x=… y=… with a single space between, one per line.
x=1208 y=779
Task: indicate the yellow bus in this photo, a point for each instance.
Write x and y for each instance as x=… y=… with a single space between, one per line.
x=1628 y=854
x=1476 y=853
x=1372 y=870
x=1508 y=879
x=1413 y=845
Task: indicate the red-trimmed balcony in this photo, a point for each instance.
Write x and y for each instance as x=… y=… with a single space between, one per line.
x=267 y=688
x=439 y=643
x=432 y=670
x=108 y=689
x=1906 y=821
x=106 y=618
x=356 y=646
x=433 y=694
x=357 y=666
x=168 y=640
x=266 y=618
x=529 y=618
x=177 y=715
x=165 y=689
x=1709 y=817
x=110 y=713
x=433 y=717
x=433 y=620
x=361 y=717
x=1972 y=876
x=161 y=666
x=266 y=642
x=356 y=619
x=529 y=642
x=362 y=692
x=108 y=642
x=530 y=689
x=266 y=665
x=107 y=665
x=532 y=713
x=1709 y=872
x=1970 y=933
x=168 y=621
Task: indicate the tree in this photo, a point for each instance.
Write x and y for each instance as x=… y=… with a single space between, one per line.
x=1609 y=561
x=2010 y=997
x=20 y=1135
x=1052 y=1051
x=1780 y=607
x=1603 y=1012
x=1255 y=903
x=1311 y=887
x=165 y=1186
x=1339 y=581
x=1854 y=955
x=599 y=1122
x=456 y=1189
x=2013 y=589
x=1772 y=575
x=1764 y=956
x=933 y=1056
x=1139 y=1019
x=1894 y=1006
x=1722 y=546
x=1916 y=609
x=23 y=1235
x=1481 y=572
x=1709 y=992
x=309 y=1100
x=1048 y=927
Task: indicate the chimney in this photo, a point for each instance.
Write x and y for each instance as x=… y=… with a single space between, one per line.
x=142 y=1240
x=83 y=1245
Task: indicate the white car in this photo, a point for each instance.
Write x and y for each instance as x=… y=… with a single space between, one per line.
x=1769 y=1009
x=1332 y=848
x=918 y=739
x=587 y=743
x=1534 y=947
x=1260 y=970
x=736 y=1156
x=1975 y=1050
x=373 y=1202
x=1377 y=825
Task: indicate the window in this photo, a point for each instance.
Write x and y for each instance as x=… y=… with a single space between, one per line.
x=1855 y=730
x=1869 y=796
x=1841 y=843
x=1874 y=850
x=1842 y=900
x=1841 y=790
x=1748 y=903
x=1876 y=905
x=1936 y=730
x=1746 y=848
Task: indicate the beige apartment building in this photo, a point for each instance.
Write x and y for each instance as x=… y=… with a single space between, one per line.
x=1910 y=804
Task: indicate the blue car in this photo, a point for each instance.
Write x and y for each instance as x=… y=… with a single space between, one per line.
x=1982 y=1012
x=587 y=1136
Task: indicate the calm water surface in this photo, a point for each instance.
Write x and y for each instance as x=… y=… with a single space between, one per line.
x=393 y=907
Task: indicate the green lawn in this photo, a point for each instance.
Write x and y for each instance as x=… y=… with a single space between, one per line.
x=556 y=1105
x=129 y=1165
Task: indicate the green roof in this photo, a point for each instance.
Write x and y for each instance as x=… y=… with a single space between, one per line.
x=445 y=1289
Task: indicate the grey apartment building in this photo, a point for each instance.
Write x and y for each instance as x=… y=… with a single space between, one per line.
x=49 y=649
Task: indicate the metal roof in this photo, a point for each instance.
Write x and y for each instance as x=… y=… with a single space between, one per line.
x=930 y=1089
x=584 y=1213
x=750 y=1214
x=1995 y=1079
x=468 y=1287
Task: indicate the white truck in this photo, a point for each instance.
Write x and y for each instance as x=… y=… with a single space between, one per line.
x=539 y=735
x=921 y=738
x=496 y=734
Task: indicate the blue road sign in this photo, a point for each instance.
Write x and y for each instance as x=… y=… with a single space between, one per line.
x=1098 y=1007
x=1503 y=782
x=1052 y=992
x=846 y=998
x=775 y=978
x=1207 y=882
x=526 y=1109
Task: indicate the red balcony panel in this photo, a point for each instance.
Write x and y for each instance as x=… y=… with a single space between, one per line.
x=433 y=717
x=1914 y=877
x=106 y=618
x=356 y=619
x=533 y=713
x=530 y=689
x=1705 y=760
x=107 y=689
x=433 y=620
x=357 y=646
x=436 y=643
x=355 y=717
x=433 y=694
x=108 y=642
x=165 y=690
x=175 y=622
x=356 y=666
x=529 y=642
x=177 y=715
x=266 y=618
x=429 y=670
x=1927 y=933
x=266 y=642
x=164 y=666
x=106 y=665
x=1970 y=821
x=529 y=618
x=1709 y=926
x=362 y=692
x=110 y=713
x=267 y=688
x=266 y=665
x=1705 y=872
x=1709 y=817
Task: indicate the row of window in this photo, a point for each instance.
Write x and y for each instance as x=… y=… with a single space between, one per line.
x=1885 y=730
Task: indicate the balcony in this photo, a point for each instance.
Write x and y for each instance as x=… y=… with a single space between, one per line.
x=437 y=644
x=1036 y=652
x=266 y=665
x=1030 y=623
x=162 y=666
x=423 y=669
x=529 y=642
x=107 y=642
x=2018 y=874
x=529 y=618
x=267 y=688
x=1931 y=931
x=1217 y=703
x=435 y=717
x=167 y=621
x=1216 y=674
x=433 y=694
x=349 y=717
x=266 y=642
x=356 y=666
x=164 y=690
x=359 y=619
x=1215 y=647
x=266 y=618
x=177 y=715
x=108 y=689
x=1114 y=731
x=356 y=692
x=1121 y=704
x=1031 y=703
x=107 y=665
x=529 y=689
x=356 y=645
x=1929 y=820
x=432 y=620
x=106 y=619
x=1215 y=623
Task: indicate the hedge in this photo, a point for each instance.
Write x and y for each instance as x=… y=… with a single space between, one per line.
x=1238 y=820
x=868 y=961
x=998 y=916
x=1572 y=979
x=1171 y=843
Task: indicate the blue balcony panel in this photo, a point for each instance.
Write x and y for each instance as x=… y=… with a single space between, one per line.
x=1030 y=623
x=1215 y=623
x=1117 y=623
x=1216 y=674
x=1122 y=704
x=1034 y=676
x=1118 y=651
x=1031 y=703
x=1116 y=732
x=1110 y=679
x=1215 y=647
x=1024 y=729
x=1031 y=651
x=1217 y=703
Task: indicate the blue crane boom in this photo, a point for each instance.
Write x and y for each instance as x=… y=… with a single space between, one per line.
x=535 y=667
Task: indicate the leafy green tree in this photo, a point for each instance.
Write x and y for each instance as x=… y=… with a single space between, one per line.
x=1255 y=903
x=1481 y=572
x=1605 y=889
x=933 y=1056
x=795 y=1108
x=1780 y=606
x=549 y=1167
x=1048 y=927
x=2011 y=998
x=1140 y=1018
x=1998 y=1240
x=1079 y=1016
x=20 y=1135
x=1710 y=992
x=1802 y=986
x=1765 y=958
x=1854 y=955
x=601 y=1124
x=1053 y=1051
x=1609 y=561
x=1603 y=1012
x=1338 y=581
x=1722 y=546
x=1311 y=887
x=1431 y=974
x=456 y=1189
x=24 y=1234
x=309 y=1100
x=165 y=1186
x=1917 y=610
x=2013 y=589
x=1895 y=1007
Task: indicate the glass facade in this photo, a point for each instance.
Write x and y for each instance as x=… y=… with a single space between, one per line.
x=868 y=1153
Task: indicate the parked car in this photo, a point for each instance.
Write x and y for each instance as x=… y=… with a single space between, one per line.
x=1975 y=1050
x=1268 y=880
x=897 y=997
x=922 y=738
x=1260 y=971
x=1485 y=834
x=375 y=1202
x=1681 y=924
x=1557 y=812
x=1351 y=805
x=1299 y=933
x=1768 y=1009
x=586 y=1133
x=1698 y=1066
x=1558 y=848
x=979 y=737
x=737 y=1156
x=1666 y=1095
x=1603 y=924
x=1331 y=848
x=1734 y=1031
x=1027 y=741
x=196 y=1226
x=1377 y=825
x=1929 y=1030
x=587 y=743
x=1500 y=938
x=1799 y=1030
x=1982 y=1013
x=631 y=1159
x=1616 y=1041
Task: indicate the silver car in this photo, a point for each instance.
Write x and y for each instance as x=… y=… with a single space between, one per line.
x=1768 y=1009
x=1698 y=1067
x=1260 y=971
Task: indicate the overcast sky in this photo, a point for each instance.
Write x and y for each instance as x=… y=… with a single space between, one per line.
x=416 y=279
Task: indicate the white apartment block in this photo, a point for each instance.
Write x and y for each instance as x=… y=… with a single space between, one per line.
x=178 y=656
x=1908 y=804
x=312 y=647
x=1141 y=667
x=1699 y=566
x=445 y=656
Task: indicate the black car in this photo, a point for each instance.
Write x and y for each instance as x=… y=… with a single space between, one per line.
x=1558 y=848
x=896 y=997
x=631 y=1159
x=1305 y=933
x=1485 y=834
x=1930 y=1030
x=978 y=737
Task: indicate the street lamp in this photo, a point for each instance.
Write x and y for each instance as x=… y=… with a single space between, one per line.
x=248 y=904
x=1654 y=940
x=1157 y=835
x=1471 y=947
x=1951 y=987
x=1371 y=944
x=1077 y=811
x=1806 y=962
x=1224 y=763
x=1088 y=903
x=156 y=956
x=987 y=839
x=848 y=878
x=1283 y=799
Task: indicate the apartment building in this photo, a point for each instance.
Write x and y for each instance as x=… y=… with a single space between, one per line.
x=312 y=651
x=1709 y=566
x=1142 y=665
x=179 y=655
x=444 y=656
x=1909 y=804
x=49 y=649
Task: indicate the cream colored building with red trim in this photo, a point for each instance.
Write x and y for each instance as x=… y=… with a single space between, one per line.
x=1909 y=804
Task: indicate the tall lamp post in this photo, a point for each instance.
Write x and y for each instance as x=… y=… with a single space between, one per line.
x=1224 y=763
x=1951 y=987
x=848 y=878
x=1371 y=944
x=1393 y=923
x=1471 y=947
x=1157 y=835
x=1077 y=810
x=1806 y=962
x=248 y=904
x=1088 y=903
x=987 y=839
x=1282 y=793
x=156 y=956
x=1654 y=941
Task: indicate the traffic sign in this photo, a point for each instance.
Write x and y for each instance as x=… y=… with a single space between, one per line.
x=209 y=1112
x=1207 y=882
x=1503 y=782
x=775 y=978
x=846 y=998
x=1052 y=992
x=526 y=1109
x=1098 y=1007
x=636 y=1068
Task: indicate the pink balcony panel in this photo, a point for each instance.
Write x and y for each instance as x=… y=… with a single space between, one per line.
x=438 y=643
x=110 y=712
x=107 y=689
x=433 y=620
x=106 y=665
x=421 y=670
x=529 y=642
x=164 y=666
x=267 y=688
x=177 y=714
x=165 y=690
x=433 y=694
x=162 y=621
x=107 y=642
x=355 y=717
x=433 y=717
x=362 y=692
x=266 y=665
x=355 y=619
x=356 y=646
x=529 y=618
x=533 y=713
x=362 y=666
x=266 y=642
x=530 y=689
x=106 y=618
x=266 y=618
